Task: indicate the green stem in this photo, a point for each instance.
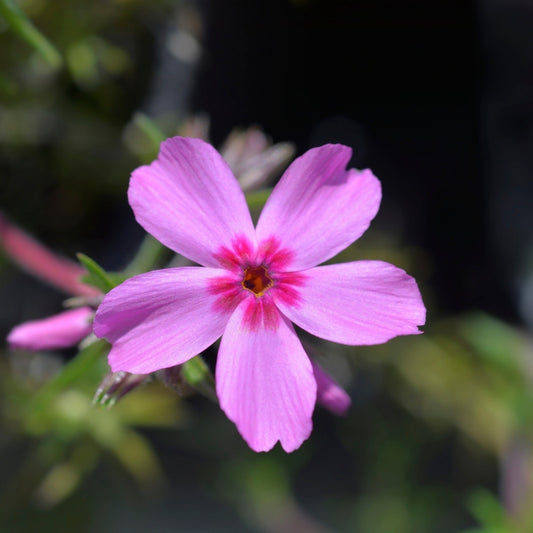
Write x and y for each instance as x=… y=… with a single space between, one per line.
x=71 y=372
x=198 y=375
x=150 y=253
x=257 y=199
x=22 y=25
x=150 y=129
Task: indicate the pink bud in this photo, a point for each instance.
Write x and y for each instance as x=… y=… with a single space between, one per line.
x=329 y=393
x=36 y=259
x=58 y=331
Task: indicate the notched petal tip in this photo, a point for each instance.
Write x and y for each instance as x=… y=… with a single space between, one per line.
x=358 y=303
x=318 y=208
x=265 y=383
x=289 y=444
x=340 y=153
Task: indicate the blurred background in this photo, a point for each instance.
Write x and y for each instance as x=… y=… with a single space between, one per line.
x=437 y=99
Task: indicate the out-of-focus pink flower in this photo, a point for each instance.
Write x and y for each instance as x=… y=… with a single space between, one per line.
x=250 y=154
x=41 y=262
x=255 y=281
x=58 y=331
x=253 y=159
x=329 y=393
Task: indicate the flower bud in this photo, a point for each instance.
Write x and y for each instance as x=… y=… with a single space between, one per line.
x=39 y=261
x=329 y=393
x=115 y=385
x=58 y=331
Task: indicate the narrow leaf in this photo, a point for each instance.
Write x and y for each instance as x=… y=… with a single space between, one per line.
x=74 y=370
x=97 y=276
x=22 y=25
x=198 y=375
x=257 y=199
x=150 y=129
x=148 y=256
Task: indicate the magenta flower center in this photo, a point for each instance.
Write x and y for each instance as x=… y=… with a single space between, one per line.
x=257 y=280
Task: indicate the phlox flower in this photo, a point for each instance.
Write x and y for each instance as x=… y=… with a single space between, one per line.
x=254 y=283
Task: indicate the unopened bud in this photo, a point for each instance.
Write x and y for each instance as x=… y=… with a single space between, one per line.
x=329 y=393
x=58 y=331
x=116 y=385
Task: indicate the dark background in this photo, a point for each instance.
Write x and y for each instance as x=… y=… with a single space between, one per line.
x=400 y=82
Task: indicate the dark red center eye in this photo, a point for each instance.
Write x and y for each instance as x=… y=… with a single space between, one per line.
x=257 y=280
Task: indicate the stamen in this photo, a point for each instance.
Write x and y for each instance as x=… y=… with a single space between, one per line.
x=257 y=280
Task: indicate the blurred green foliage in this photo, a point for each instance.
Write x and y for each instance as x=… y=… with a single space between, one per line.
x=20 y=23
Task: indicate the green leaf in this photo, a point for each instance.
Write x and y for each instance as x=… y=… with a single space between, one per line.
x=148 y=256
x=487 y=509
x=494 y=340
x=137 y=456
x=150 y=129
x=22 y=25
x=257 y=199
x=7 y=86
x=198 y=375
x=73 y=371
x=97 y=276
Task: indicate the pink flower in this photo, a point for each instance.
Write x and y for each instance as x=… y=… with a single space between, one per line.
x=255 y=282
x=58 y=331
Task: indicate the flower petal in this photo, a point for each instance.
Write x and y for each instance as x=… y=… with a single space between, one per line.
x=329 y=393
x=160 y=319
x=58 y=331
x=364 y=302
x=318 y=208
x=189 y=200
x=265 y=381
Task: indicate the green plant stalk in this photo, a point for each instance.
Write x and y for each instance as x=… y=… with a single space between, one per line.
x=257 y=199
x=150 y=129
x=74 y=370
x=147 y=258
x=22 y=25
x=198 y=375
